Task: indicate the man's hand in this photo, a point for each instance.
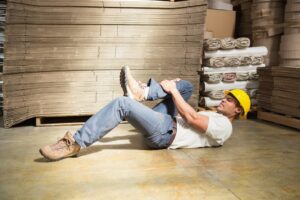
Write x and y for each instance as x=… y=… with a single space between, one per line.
x=176 y=79
x=168 y=85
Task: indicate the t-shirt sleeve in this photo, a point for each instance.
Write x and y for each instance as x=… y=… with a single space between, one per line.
x=219 y=128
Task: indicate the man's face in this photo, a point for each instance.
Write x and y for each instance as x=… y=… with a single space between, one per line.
x=229 y=107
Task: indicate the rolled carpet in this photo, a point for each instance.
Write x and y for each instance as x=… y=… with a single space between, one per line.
x=227 y=43
x=242 y=42
x=232 y=61
x=213 y=78
x=215 y=62
x=212 y=44
x=246 y=60
x=242 y=76
x=229 y=77
x=257 y=60
x=253 y=76
x=216 y=94
x=225 y=86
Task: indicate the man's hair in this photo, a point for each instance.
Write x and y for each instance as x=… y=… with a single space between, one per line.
x=237 y=103
x=239 y=114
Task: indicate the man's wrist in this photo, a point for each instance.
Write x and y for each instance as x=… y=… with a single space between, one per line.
x=174 y=90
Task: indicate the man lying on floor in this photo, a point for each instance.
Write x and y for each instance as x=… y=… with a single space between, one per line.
x=161 y=126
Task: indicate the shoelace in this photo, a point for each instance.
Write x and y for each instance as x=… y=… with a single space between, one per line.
x=63 y=142
x=138 y=88
x=142 y=85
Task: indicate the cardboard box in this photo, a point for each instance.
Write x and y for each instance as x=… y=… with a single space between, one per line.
x=220 y=22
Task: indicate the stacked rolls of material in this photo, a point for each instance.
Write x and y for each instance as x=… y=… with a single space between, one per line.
x=267 y=27
x=220 y=4
x=62 y=58
x=229 y=64
x=213 y=44
x=233 y=61
x=279 y=88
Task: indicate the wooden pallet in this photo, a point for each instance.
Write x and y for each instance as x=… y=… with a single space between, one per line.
x=279 y=118
x=61 y=121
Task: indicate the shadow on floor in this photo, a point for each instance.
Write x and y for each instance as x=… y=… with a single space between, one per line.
x=135 y=142
x=28 y=122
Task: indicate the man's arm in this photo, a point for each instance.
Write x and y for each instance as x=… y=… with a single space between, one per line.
x=199 y=122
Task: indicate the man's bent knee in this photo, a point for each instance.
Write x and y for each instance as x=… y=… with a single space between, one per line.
x=124 y=101
x=186 y=85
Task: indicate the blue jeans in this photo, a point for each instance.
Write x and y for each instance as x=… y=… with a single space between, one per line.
x=156 y=125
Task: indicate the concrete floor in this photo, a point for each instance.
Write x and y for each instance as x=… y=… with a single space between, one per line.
x=260 y=161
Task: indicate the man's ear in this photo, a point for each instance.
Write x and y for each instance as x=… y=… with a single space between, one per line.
x=238 y=110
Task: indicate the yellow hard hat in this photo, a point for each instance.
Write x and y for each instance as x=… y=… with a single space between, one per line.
x=243 y=98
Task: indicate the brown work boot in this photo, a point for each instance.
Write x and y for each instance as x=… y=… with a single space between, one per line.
x=65 y=147
x=131 y=88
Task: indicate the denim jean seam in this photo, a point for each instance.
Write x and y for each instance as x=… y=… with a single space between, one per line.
x=78 y=141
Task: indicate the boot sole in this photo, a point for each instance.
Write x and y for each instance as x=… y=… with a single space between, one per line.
x=50 y=159
x=123 y=81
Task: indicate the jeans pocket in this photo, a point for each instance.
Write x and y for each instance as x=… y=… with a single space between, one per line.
x=159 y=140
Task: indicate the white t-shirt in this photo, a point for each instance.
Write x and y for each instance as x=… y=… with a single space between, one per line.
x=218 y=131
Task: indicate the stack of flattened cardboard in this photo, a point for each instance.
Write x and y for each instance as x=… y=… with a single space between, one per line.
x=279 y=89
x=244 y=22
x=1 y=95
x=290 y=41
x=229 y=64
x=62 y=58
x=2 y=28
x=267 y=27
